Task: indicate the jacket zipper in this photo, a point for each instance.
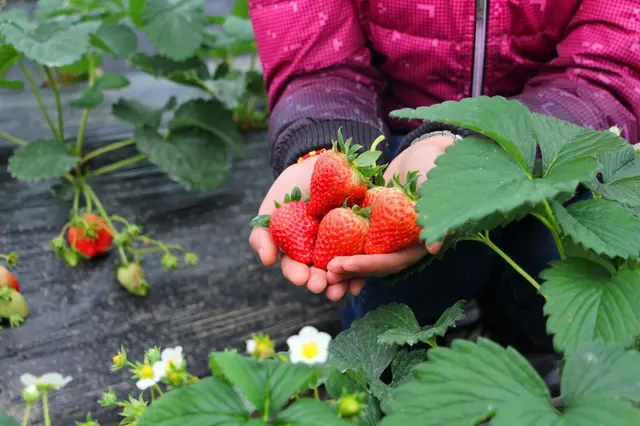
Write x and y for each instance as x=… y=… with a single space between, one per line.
x=479 y=47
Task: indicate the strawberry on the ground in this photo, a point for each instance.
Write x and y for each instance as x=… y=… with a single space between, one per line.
x=342 y=173
x=7 y=280
x=131 y=277
x=12 y=304
x=342 y=232
x=292 y=229
x=93 y=239
x=393 y=221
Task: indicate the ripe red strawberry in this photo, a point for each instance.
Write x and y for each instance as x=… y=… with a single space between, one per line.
x=95 y=240
x=393 y=221
x=7 y=280
x=341 y=174
x=293 y=230
x=342 y=232
x=372 y=195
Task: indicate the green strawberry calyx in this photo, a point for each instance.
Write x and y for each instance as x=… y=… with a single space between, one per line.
x=365 y=163
x=362 y=212
x=263 y=220
x=409 y=188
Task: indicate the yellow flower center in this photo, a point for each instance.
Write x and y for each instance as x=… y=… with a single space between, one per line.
x=264 y=349
x=310 y=350
x=118 y=359
x=173 y=363
x=146 y=372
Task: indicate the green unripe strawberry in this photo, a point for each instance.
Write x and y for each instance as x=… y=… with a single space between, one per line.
x=131 y=277
x=12 y=303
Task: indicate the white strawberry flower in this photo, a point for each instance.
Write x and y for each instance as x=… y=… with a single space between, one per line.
x=149 y=376
x=615 y=129
x=309 y=346
x=172 y=358
x=48 y=381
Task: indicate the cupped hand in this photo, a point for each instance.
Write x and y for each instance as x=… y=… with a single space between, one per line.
x=421 y=157
x=296 y=175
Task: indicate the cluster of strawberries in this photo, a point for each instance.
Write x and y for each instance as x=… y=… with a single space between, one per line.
x=349 y=211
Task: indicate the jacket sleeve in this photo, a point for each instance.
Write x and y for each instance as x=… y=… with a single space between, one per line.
x=318 y=73
x=595 y=79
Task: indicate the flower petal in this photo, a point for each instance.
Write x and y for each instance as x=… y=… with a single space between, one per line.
x=294 y=342
x=54 y=379
x=323 y=339
x=159 y=370
x=28 y=379
x=145 y=384
x=308 y=332
x=251 y=346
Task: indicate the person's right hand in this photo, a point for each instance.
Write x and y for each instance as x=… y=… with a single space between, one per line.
x=296 y=175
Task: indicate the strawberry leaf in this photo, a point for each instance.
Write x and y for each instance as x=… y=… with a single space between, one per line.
x=50 y=43
x=7 y=420
x=210 y=401
x=117 y=40
x=309 y=412
x=41 y=160
x=139 y=114
x=111 y=81
x=620 y=177
x=493 y=184
x=175 y=28
x=508 y=122
x=473 y=382
x=603 y=226
x=197 y=114
x=240 y=9
x=8 y=58
x=586 y=302
x=189 y=72
x=198 y=161
x=411 y=333
x=238 y=29
x=11 y=84
x=90 y=98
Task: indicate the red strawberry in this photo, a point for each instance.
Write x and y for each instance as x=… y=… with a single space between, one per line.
x=7 y=280
x=293 y=230
x=372 y=195
x=94 y=239
x=393 y=221
x=342 y=232
x=341 y=174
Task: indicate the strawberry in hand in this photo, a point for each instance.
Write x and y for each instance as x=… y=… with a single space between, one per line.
x=342 y=174
x=292 y=229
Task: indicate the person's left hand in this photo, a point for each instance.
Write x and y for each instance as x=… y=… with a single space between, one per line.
x=419 y=157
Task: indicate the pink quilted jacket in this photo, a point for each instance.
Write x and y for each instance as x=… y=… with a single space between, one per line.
x=331 y=63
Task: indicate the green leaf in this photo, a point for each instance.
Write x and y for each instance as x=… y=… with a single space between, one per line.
x=603 y=226
x=493 y=183
x=586 y=303
x=621 y=178
x=89 y=98
x=561 y=141
x=139 y=114
x=309 y=412
x=118 y=40
x=50 y=44
x=210 y=402
x=238 y=30
x=194 y=158
x=41 y=160
x=240 y=9
x=465 y=385
x=212 y=117
x=8 y=58
x=255 y=83
x=190 y=72
x=508 y=122
x=268 y=384
x=175 y=28
x=110 y=81
x=44 y=8
x=7 y=420
x=229 y=90
x=63 y=191
x=357 y=347
x=11 y=84
x=411 y=333
x=403 y=364
x=81 y=66
x=136 y=8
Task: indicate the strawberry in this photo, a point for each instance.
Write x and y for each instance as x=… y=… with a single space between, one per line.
x=341 y=174
x=372 y=195
x=12 y=304
x=93 y=238
x=393 y=221
x=342 y=232
x=131 y=277
x=7 y=280
x=292 y=229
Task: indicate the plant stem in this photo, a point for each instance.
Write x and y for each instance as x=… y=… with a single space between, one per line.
x=36 y=93
x=316 y=395
x=76 y=200
x=13 y=139
x=485 y=239
x=252 y=62
x=106 y=217
x=159 y=390
x=87 y=199
x=85 y=112
x=554 y=228
x=45 y=409
x=25 y=418
x=56 y=94
x=153 y=395
x=554 y=234
x=265 y=415
x=118 y=165
x=107 y=148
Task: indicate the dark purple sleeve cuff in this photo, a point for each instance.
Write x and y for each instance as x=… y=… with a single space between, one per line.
x=317 y=135
x=430 y=127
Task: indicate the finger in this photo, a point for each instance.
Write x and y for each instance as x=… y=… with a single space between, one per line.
x=379 y=265
x=336 y=292
x=436 y=247
x=356 y=285
x=333 y=278
x=296 y=272
x=317 y=281
x=260 y=242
